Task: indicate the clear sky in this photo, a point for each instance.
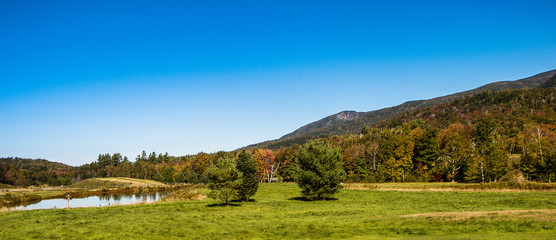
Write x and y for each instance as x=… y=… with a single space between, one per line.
x=79 y=78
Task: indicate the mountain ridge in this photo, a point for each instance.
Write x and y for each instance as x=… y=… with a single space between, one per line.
x=348 y=122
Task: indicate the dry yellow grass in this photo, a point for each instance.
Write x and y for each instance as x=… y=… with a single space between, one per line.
x=191 y=192
x=442 y=187
x=538 y=214
x=133 y=182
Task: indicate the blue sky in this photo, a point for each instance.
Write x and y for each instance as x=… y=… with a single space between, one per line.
x=79 y=78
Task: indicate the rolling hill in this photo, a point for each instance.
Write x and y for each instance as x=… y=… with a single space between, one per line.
x=116 y=182
x=348 y=122
x=25 y=172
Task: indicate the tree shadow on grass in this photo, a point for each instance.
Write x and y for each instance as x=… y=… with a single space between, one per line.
x=304 y=199
x=224 y=205
x=240 y=201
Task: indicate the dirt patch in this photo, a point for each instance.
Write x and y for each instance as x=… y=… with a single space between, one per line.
x=541 y=214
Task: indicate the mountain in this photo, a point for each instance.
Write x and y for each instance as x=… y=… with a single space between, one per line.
x=349 y=122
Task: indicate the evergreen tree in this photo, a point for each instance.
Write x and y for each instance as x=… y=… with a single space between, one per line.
x=320 y=170
x=492 y=161
x=249 y=182
x=165 y=175
x=224 y=179
x=365 y=130
x=425 y=154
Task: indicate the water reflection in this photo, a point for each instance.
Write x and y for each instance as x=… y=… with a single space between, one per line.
x=95 y=201
x=117 y=197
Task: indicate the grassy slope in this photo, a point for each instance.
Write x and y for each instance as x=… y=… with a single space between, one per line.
x=115 y=182
x=5 y=186
x=135 y=182
x=277 y=214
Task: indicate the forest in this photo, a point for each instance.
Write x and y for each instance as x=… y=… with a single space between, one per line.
x=507 y=135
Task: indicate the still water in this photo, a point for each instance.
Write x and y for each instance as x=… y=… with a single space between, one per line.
x=95 y=201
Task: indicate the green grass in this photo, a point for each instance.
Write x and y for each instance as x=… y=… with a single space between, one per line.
x=278 y=213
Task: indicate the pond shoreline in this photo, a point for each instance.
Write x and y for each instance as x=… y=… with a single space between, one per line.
x=13 y=198
x=94 y=201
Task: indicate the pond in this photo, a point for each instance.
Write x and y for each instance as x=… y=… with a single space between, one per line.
x=95 y=201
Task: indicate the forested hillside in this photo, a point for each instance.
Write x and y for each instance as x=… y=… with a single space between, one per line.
x=479 y=138
x=507 y=135
x=349 y=122
x=25 y=172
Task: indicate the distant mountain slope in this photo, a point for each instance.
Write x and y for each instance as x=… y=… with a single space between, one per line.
x=348 y=122
x=510 y=109
x=550 y=83
x=25 y=172
x=33 y=164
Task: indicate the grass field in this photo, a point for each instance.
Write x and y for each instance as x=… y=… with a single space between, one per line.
x=278 y=212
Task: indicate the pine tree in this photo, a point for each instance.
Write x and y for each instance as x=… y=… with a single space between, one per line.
x=249 y=182
x=425 y=154
x=320 y=170
x=223 y=179
x=493 y=164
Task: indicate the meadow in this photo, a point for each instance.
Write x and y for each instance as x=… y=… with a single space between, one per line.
x=279 y=212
